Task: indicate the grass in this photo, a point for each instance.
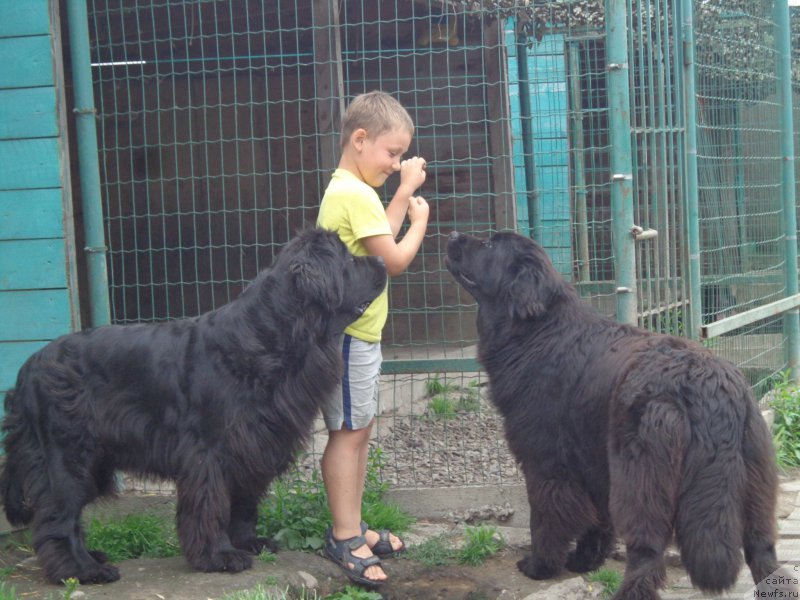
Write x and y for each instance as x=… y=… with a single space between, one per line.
x=433 y=552
x=70 y=587
x=296 y=513
x=7 y=591
x=785 y=403
x=481 y=543
x=262 y=593
x=354 y=593
x=448 y=399
x=134 y=536
x=608 y=578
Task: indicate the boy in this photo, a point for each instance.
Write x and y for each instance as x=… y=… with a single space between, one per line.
x=376 y=132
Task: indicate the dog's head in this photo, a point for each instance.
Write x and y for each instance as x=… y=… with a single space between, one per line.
x=507 y=271
x=324 y=281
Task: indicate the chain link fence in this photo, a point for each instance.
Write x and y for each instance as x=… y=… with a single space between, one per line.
x=217 y=125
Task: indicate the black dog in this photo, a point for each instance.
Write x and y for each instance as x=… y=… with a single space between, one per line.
x=220 y=403
x=618 y=430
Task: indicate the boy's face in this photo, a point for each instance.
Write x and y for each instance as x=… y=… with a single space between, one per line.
x=379 y=157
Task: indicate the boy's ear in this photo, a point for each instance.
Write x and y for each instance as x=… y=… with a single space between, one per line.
x=358 y=137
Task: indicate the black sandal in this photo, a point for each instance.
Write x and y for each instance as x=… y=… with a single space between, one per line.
x=341 y=553
x=383 y=547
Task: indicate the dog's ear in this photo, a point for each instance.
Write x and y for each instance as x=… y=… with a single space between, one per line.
x=313 y=285
x=528 y=295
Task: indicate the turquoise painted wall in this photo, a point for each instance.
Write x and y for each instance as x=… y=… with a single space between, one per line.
x=38 y=291
x=549 y=109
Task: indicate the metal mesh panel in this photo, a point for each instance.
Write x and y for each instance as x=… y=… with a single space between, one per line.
x=218 y=132
x=739 y=158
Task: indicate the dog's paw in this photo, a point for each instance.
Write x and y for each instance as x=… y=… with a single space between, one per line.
x=101 y=574
x=583 y=562
x=232 y=560
x=536 y=568
x=257 y=545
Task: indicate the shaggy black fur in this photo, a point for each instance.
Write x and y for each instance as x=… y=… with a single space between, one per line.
x=220 y=403
x=618 y=430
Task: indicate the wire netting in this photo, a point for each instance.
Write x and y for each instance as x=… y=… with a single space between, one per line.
x=218 y=131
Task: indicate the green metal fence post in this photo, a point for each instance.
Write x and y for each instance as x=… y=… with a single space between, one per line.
x=621 y=161
x=783 y=45
x=88 y=162
x=579 y=168
x=534 y=210
x=693 y=323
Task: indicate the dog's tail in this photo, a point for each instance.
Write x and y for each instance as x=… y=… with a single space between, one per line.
x=11 y=490
x=718 y=509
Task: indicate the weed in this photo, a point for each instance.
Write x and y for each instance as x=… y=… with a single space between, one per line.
x=435 y=387
x=21 y=541
x=433 y=552
x=442 y=406
x=785 y=402
x=296 y=512
x=268 y=557
x=471 y=400
x=261 y=593
x=134 y=536
x=608 y=578
x=448 y=400
x=354 y=593
x=6 y=571
x=70 y=587
x=7 y=591
x=374 y=510
x=481 y=543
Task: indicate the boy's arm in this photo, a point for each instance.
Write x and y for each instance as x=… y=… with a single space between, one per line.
x=398 y=255
x=412 y=176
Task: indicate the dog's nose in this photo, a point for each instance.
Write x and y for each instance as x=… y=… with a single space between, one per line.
x=454 y=235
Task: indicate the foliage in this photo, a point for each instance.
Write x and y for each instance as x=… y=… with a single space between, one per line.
x=7 y=591
x=482 y=542
x=433 y=552
x=784 y=399
x=354 y=593
x=448 y=399
x=261 y=593
x=135 y=536
x=296 y=514
x=608 y=578
x=70 y=587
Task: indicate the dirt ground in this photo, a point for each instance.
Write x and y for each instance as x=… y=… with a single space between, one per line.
x=173 y=579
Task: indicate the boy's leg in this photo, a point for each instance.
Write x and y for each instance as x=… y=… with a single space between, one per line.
x=349 y=416
x=343 y=472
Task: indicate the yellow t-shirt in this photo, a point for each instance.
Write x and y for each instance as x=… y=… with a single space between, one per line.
x=353 y=210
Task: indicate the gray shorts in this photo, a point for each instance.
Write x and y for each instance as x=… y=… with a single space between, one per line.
x=354 y=402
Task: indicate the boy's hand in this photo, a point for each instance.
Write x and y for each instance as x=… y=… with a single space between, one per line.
x=418 y=209
x=412 y=173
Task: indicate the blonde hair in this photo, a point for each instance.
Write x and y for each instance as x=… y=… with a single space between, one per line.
x=375 y=112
